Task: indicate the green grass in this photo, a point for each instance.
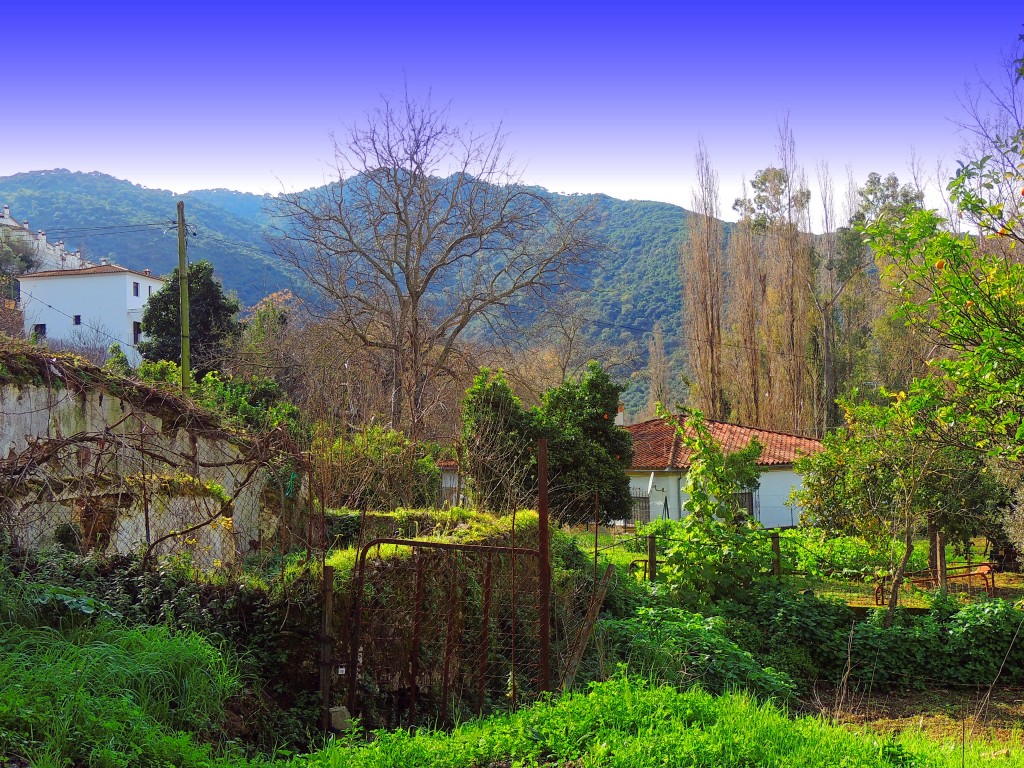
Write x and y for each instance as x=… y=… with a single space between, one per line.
x=79 y=688
x=632 y=724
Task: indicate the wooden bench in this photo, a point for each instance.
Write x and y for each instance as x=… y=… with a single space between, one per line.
x=930 y=580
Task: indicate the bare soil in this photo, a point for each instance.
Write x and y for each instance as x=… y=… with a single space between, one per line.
x=941 y=713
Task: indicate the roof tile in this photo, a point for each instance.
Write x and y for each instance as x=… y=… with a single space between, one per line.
x=657 y=446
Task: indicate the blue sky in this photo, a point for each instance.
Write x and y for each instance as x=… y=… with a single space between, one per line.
x=594 y=97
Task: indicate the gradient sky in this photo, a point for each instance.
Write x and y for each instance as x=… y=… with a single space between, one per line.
x=594 y=97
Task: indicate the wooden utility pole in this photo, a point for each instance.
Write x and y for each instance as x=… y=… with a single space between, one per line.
x=183 y=294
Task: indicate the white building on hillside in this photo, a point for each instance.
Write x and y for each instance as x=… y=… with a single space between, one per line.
x=92 y=306
x=49 y=255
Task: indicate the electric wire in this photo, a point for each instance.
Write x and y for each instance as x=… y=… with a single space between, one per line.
x=82 y=324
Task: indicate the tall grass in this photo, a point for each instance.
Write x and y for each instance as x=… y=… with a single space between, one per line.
x=78 y=688
x=633 y=724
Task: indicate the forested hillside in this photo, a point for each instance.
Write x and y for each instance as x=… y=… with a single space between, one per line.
x=133 y=226
x=635 y=281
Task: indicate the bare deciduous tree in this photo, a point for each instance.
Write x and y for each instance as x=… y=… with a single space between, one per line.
x=700 y=266
x=427 y=231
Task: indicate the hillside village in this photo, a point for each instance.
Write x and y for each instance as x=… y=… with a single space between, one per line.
x=426 y=469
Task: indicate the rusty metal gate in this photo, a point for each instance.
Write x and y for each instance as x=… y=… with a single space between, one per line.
x=442 y=630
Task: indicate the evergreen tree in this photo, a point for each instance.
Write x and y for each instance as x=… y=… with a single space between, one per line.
x=212 y=319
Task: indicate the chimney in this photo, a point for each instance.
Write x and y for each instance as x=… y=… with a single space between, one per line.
x=620 y=417
x=146 y=272
x=42 y=236
x=104 y=262
x=25 y=223
x=7 y=212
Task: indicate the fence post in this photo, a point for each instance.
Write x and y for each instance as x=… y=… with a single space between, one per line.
x=652 y=557
x=544 y=556
x=776 y=555
x=326 y=646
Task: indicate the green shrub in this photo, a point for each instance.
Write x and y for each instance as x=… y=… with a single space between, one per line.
x=630 y=723
x=715 y=560
x=789 y=630
x=108 y=696
x=685 y=649
x=819 y=553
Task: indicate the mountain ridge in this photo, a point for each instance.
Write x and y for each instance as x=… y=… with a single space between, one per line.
x=635 y=282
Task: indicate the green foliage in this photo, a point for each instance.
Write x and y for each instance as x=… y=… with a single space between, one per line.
x=791 y=631
x=817 y=552
x=72 y=594
x=499 y=439
x=256 y=404
x=17 y=256
x=587 y=453
x=212 y=319
x=627 y=722
x=810 y=638
x=888 y=472
x=720 y=551
x=383 y=470
x=685 y=649
x=74 y=690
x=117 y=361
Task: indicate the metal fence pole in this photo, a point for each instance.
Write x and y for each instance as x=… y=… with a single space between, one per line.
x=326 y=647
x=544 y=563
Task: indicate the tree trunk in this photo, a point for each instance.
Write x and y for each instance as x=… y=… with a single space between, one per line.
x=897 y=578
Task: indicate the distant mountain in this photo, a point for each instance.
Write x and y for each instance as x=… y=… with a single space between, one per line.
x=634 y=284
x=134 y=226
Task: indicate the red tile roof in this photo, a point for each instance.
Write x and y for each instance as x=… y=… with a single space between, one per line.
x=657 y=446
x=102 y=269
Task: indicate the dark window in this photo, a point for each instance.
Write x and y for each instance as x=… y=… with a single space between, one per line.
x=39 y=330
x=150 y=289
x=745 y=502
x=136 y=333
x=641 y=507
x=77 y=320
x=135 y=289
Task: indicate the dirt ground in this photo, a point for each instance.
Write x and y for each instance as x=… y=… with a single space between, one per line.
x=945 y=713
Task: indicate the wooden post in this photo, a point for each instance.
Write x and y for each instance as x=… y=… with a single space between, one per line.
x=326 y=647
x=597 y=521
x=940 y=559
x=183 y=297
x=776 y=555
x=652 y=557
x=543 y=547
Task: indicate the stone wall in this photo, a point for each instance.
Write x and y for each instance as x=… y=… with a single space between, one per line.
x=81 y=460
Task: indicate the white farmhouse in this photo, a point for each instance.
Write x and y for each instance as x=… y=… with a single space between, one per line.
x=660 y=461
x=102 y=303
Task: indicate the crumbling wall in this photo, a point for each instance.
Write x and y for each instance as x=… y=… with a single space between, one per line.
x=91 y=461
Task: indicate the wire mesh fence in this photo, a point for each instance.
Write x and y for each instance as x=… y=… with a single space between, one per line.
x=440 y=631
x=122 y=468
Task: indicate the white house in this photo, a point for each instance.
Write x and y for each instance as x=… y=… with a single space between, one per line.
x=99 y=304
x=48 y=255
x=660 y=461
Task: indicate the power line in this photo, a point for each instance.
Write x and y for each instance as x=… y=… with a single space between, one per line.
x=100 y=331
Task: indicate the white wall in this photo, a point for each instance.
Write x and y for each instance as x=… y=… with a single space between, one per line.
x=771 y=505
x=774 y=509
x=105 y=302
